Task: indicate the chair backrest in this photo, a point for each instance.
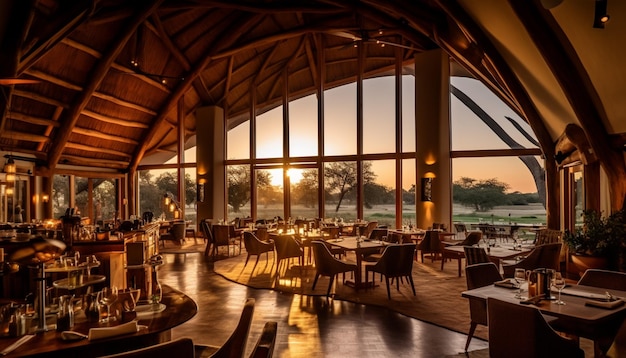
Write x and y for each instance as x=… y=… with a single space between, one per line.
x=250 y=242
x=235 y=346
x=473 y=238
x=460 y=227
x=482 y=274
x=323 y=258
x=431 y=242
x=396 y=260
x=178 y=230
x=548 y=255
x=369 y=228
x=333 y=231
x=205 y=226
x=548 y=236
x=475 y=255
x=262 y=234
x=264 y=347
x=517 y=330
x=378 y=233
x=220 y=234
x=612 y=280
x=182 y=347
x=286 y=247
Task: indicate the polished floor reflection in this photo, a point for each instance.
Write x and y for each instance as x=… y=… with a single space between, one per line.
x=307 y=326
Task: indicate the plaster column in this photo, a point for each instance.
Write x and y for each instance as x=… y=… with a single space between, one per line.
x=432 y=127
x=210 y=157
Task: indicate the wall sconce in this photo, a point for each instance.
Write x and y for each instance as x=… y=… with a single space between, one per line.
x=200 y=191
x=9 y=191
x=177 y=214
x=9 y=167
x=427 y=189
x=45 y=198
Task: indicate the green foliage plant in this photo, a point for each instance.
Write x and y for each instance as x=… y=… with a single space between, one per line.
x=598 y=236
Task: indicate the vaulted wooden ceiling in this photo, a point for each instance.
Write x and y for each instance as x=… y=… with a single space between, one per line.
x=99 y=100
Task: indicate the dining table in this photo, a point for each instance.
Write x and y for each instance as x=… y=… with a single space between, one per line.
x=155 y=327
x=584 y=314
x=359 y=246
x=496 y=254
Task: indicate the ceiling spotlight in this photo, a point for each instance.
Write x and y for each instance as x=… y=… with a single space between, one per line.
x=600 y=17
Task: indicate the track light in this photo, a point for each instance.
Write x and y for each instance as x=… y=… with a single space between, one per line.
x=600 y=17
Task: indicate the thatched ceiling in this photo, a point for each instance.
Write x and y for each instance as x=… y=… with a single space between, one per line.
x=99 y=102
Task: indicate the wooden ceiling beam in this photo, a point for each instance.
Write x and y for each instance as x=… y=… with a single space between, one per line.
x=88 y=148
x=104 y=136
x=96 y=78
x=29 y=137
x=116 y=121
x=33 y=120
x=123 y=103
x=40 y=98
x=310 y=42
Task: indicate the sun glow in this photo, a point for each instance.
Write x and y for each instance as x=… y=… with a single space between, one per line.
x=295 y=175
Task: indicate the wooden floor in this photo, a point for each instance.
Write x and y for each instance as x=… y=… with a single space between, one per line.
x=307 y=326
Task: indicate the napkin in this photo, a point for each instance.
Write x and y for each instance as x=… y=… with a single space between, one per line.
x=106 y=332
x=506 y=283
x=604 y=304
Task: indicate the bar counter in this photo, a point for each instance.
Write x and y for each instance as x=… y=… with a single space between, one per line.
x=179 y=309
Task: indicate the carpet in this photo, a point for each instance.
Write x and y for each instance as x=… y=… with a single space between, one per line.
x=438 y=300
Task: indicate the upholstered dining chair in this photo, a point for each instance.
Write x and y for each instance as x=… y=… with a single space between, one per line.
x=235 y=346
x=479 y=275
x=378 y=234
x=327 y=265
x=475 y=255
x=521 y=331
x=612 y=280
x=287 y=248
x=222 y=237
x=396 y=262
x=176 y=234
x=207 y=232
x=461 y=229
x=543 y=256
x=430 y=244
x=254 y=246
x=182 y=347
x=264 y=347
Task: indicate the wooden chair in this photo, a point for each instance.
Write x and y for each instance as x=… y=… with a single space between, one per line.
x=479 y=275
x=461 y=229
x=254 y=246
x=475 y=255
x=287 y=248
x=207 y=232
x=472 y=239
x=521 y=331
x=396 y=262
x=544 y=256
x=176 y=234
x=264 y=347
x=182 y=347
x=235 y=346
x=327 y=265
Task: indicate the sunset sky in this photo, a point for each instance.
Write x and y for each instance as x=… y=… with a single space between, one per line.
x=468 y=132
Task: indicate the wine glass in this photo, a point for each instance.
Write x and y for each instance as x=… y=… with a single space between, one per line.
x=559 y=283
x=107 y=296
x=520 y=277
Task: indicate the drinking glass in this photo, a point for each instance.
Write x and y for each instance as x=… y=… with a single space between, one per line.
x=107 y=296
x=520 y=277
x=559 y=283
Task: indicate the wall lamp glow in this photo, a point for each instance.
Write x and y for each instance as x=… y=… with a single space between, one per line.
x=200 y=191
x=45 y=198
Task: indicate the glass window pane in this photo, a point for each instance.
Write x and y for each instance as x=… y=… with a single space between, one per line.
x=269 y=134
x=408 y=113
x=150 y=196
x=238 y=142
x=304 y=184
x=303 y=127
x=379 y=115
x=408 y=191
x=270 y=193
x=379 y=196
x=190 y=195
x=520 y=199
x=340 y=120
x=340 y=185
x=239 y=190
x=467 y=126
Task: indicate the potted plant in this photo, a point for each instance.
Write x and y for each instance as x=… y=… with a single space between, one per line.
x=598 y=242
